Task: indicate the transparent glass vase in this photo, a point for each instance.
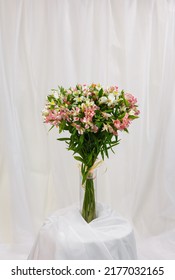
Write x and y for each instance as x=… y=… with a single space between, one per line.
x=88 y=195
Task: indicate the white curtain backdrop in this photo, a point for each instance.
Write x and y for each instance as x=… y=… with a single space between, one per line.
x=45 y=43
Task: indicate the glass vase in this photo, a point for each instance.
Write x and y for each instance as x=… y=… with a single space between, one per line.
x=88 y=195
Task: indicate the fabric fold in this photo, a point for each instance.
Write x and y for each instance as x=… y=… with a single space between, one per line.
x=66 y=235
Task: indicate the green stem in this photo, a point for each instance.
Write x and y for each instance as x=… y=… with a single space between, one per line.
x=88 y=209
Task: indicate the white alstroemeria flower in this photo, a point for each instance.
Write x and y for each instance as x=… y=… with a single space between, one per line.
x=115 y=102
x=55 y=93
x=98 y=86
x=61 y=97
x=103 y=100
x=111 y=97
x=84 y=87
x=123 y=109
x=83 y=106
x=45 y=112
x=106 y=115
x=105 y=127
x=89 y=103
x=81 y=130
x=132 y=112
x=75 y=93
x=79 y=98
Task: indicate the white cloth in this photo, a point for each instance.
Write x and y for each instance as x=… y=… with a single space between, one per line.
x=66 y=235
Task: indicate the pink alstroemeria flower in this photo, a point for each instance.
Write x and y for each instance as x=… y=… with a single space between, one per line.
x=124 y=123
x=94 y=128
x=117 y=124
x=53 y=117
x=131 y=99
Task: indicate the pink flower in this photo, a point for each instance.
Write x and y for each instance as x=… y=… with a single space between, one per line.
x=64 y=114
x=109 y=128
x=137 y=112
x=86 y=126
x=111 y=89
x=124 y=123
x=94 y=128
x=53 y=117
x=89 y=113
x=131 y=99
x=84 y=120
x=76 y=119
x=117 y=124
x=116 y=88
x=114 y=132
x=75 y=111
x=78 y=128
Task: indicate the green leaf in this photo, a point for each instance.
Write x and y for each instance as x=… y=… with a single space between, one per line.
x=89 y=159
x=49 y=98
x=61 y=89
x=121 y=116
x=99 y=124
x=51 y=127
x=106 y=151
x=63 y=139
x=62 y=126
x=81 y=139
x=78 y=158
x=100 y=92
x=102 y=154
x=133 y=117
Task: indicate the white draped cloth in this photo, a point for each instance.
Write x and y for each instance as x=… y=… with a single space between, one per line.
x=66 y=235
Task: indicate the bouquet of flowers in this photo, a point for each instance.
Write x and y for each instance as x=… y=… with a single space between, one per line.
x=93 y=116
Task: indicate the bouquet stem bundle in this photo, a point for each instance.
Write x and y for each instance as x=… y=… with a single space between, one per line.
x=89 y=207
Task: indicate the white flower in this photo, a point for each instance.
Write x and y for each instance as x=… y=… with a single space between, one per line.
x=98 y=86
x=131 y=112
x=79 y=98
x=81 y=130
x=106 y=115
x=45 y=112
x=103 y=100
x=83 y=106
x=111 y=97
x=55 y=93
x=75 y=92
x=89 y=103
x=105 y=127
x=123 y=109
